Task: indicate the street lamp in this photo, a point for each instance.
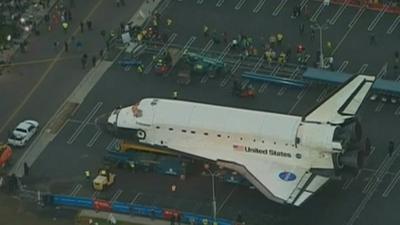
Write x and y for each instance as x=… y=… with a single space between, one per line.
x=317 y=26
x=214 y=202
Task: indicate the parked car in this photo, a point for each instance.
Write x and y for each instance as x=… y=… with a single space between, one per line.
x=23 y=133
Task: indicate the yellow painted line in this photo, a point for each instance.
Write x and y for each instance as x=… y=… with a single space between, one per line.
x=46 y=73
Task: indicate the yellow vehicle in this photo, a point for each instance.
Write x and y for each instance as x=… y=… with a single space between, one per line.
x=103 y=180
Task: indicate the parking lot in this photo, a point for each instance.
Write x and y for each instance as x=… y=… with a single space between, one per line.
x=369 y=198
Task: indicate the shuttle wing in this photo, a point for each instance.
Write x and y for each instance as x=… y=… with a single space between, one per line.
x=344 y=103
x=280 y=183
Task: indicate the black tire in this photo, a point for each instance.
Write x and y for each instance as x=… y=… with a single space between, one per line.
x=140 y=134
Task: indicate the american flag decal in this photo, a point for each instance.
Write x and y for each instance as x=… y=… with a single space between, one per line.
x=239 y=148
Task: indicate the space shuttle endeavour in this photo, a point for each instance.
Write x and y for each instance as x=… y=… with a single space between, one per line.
x=287 y=158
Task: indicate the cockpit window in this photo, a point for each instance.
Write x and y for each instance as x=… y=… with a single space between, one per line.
x=136 y=111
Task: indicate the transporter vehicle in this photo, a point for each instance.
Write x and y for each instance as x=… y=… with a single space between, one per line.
x=103 y=180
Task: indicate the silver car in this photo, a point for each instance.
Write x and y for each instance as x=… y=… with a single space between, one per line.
x=23 y=133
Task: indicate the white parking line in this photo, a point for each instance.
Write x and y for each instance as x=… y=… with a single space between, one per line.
x=225 y=200
x=260 y=5
x=95 y=194
x=116 y=195
x=323 y=94
x=255 y=68
x=356 y=17
x=225 y=51
x=350 y=28
x=317 y=12
x=378 y=17
x=85 y=121
x=137 y=196
x=362 y=69
x=278 y=8
x=227 y=78
x=303 y=4
x=207 y=47
x=394 y=25
x=94 y=138
x=199 y=2
x=75 y=189
x=383 y=71
x=240 y=4
x=343 y=66
x=338 y=13
x=299 y=98
x=166 y=45
x=219 y=3
x=112 y=144
x=391 y=185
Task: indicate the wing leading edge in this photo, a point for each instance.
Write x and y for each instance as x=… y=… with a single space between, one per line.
x=343 y=103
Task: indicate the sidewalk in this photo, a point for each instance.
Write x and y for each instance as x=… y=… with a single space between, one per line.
x=85 y=215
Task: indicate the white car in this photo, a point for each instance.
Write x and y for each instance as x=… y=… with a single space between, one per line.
x=23 y=133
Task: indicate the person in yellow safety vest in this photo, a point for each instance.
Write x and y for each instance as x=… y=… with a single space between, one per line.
x=175 y=94
x=268 y=56
x=155 y=22
x=205 y=221
x=140 y=37
x=205 y=30
x=65 y=26
x=215 y=223
x=279 y=38
x=282 y=58
x=169 y=22
x=87 y=174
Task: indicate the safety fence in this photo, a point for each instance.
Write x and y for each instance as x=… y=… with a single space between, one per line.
x=131 y=209
x=375 y=5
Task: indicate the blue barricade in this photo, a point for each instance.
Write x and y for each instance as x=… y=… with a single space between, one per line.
x=135 y=209
x=129 y=62
x=73 y=201
x=273 y=79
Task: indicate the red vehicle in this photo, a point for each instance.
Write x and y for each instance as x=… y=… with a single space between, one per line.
x=5 y=155
x=247 y=91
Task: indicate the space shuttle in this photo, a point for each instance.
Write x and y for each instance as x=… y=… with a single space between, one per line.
x=286 y=157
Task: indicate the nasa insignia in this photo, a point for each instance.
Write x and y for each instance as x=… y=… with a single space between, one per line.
x=287 y=176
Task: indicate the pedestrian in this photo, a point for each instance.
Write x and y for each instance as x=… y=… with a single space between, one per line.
x=272 y=41
x=391 y=148
x=175 y=96
x=66 y=47
x=103 y=34
x=87 y=175
x=101 y=53
x=69 y=13
x=55 y=45
x=94 y=61
x=118 y=3
x=279 y=38
x=84 y=60
x=169 y=22
x=367 y=146
x=89 y=25
x=172 y=220
x=65 y=26
x=301 y=28
x=178 y=218
x=372 y=39
x=26 y=169
x=205 y=31
x=81 y=26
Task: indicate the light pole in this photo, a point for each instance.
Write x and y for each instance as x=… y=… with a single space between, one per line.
x=214 y=202
x=319 y=27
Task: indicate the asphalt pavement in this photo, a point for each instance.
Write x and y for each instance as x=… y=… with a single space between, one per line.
x=369 y=198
